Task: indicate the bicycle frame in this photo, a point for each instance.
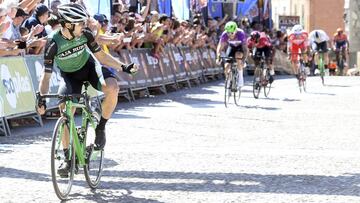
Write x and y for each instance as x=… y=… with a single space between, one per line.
x=80 y=146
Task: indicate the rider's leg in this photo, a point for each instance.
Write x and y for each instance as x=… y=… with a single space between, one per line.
x=111 y=90
x=316 y=61
x=226 y=69
x=294 y=59
x=240 y=64
x=64 y=168
x=344 y=61
x=326 y=60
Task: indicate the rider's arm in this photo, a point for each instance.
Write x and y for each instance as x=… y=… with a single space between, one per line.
x=219 y=48
x=104 y=58
x=49 y=55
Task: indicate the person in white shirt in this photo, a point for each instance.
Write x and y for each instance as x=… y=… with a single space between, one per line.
x=319 y=43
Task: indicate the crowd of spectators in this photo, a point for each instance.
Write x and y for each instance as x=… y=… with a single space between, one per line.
x=25 y=25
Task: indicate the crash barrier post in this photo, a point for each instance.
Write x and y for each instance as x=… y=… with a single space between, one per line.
x=17 y=92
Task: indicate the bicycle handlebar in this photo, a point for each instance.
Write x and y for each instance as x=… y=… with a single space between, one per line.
x=58 y=96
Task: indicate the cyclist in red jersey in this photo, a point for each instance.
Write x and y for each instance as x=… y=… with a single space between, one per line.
x=261 y=42
x=297 y=43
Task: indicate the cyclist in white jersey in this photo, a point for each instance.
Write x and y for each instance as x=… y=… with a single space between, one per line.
x=319 y=42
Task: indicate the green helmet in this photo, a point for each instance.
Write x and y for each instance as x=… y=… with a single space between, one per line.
x=230 y=27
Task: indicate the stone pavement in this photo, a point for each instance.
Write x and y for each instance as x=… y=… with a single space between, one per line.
x=187 y=147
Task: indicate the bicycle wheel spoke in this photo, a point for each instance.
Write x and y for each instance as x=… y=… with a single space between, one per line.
x=62 y=177
x=94 y=158
x=227 y=94
x=267 y=85
x=256 y=83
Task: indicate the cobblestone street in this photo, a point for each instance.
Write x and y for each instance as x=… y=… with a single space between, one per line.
x=187 y=147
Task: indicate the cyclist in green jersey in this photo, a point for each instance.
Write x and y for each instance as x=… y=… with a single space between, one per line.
x=69 y=49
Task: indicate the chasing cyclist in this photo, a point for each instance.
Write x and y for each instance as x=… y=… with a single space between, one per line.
x=319 y=42
x=297 y=44
x=262 y=43
x=234 y=39
x=341 y=43
x=68 y=48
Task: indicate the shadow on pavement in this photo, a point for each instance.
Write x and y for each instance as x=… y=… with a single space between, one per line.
x=236 y=182
x=23 y=174
x=109 y=196
x=347 y=184
x=337 y=85
x=321 y=93
x=260 y=107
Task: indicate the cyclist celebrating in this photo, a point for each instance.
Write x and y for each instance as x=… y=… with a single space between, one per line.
x=68 y=48
x=319 y=42
x=234 y=39
x=262 y=43
x=297 y=44
x=340 y=42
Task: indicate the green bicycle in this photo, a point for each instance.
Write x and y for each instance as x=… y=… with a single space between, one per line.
x=321 y=65
x=81 y=152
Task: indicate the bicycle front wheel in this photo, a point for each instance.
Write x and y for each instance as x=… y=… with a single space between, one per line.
x=227 y=89
x=94 y=158
x=304 y=80
x=267 y=84
x=237 y=93
x=59 y=158
x=256 y=82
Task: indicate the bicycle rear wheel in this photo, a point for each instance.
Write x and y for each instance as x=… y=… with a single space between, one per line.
x=341 y=65
x=227 y=89
x=94 y=158
x=62 y=184
x=256 y=82
x=267 y=85
x=237 y=93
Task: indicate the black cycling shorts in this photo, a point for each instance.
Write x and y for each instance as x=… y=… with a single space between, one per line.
x=321 y=47
x=260 y=51
x=74 y=81
x=231 y=50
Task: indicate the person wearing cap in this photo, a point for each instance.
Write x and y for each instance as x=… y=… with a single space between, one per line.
x=13 y=34
x=102 y=37
x=40 y=16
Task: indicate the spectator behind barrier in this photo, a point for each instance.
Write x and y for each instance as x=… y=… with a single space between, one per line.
x=6 y=49
x=104 y=37
x=13 y=34
x=39 y=17
x=54 y=6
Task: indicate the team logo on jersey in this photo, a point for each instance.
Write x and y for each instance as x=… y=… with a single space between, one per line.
x=76 y=51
